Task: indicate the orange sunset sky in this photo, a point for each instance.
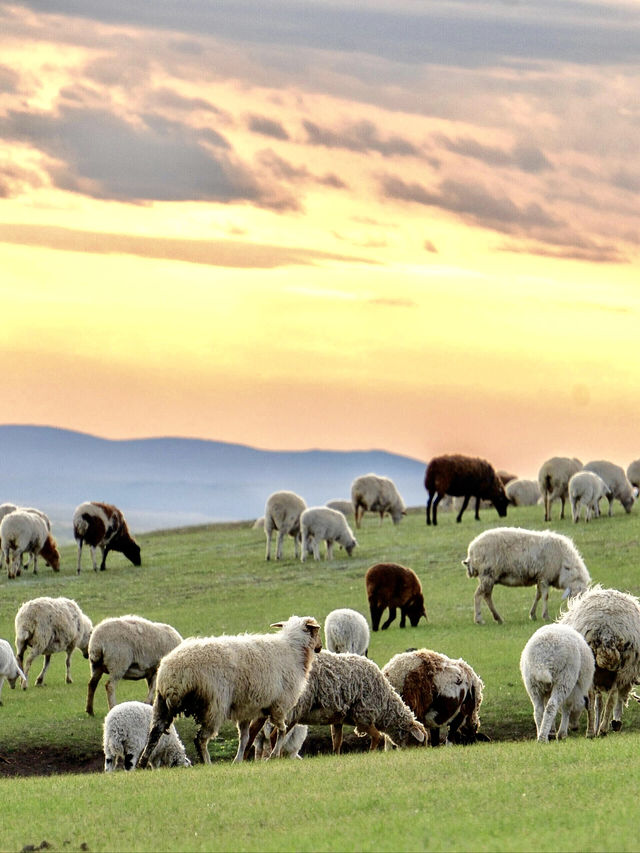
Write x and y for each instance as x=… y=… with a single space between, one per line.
x=321 y=223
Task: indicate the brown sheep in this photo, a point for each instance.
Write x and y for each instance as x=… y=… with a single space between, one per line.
x=463 y=476
x=392 y=585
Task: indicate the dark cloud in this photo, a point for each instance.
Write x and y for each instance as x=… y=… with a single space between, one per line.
x=361 y=136
x=165 y=98
x=526 y=157
x=282 y=170
x=9 y=80
x=267 y=127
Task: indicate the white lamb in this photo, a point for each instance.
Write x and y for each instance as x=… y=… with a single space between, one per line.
x=346 y=630
x=51 y=625
x=236 y=678
x=26 y=532
x=522 y=492
x=9 y=667
x=514 y=556
x=619 y=486
x=125 y=731
x=320 y=523
x=291 y=744
x=586 y=489
x=553 y=479
x=557 y=668
x=376 y=494
x=282 y=513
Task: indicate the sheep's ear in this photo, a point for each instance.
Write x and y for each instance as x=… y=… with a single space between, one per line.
x=417 y=733
x=276 y=624
x=465 y=562
x=312 y=627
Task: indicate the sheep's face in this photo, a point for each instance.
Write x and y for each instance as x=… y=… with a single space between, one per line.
x=416 y=610
x=628 y=503
x=350 y=546
x=501 y=503
x=132 y=553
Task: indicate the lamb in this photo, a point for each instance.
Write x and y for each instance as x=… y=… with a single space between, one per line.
x=343 y=506
x=291 y=744
x=609 y=620
x=557 y=668
x=346 y=630
x=586 y=489
x=128 y=647
x=51 y=625
x=553 y=479
x=9 y=667
x=103 y=526
x=523 y=492
x=392 y=585
x=282 y=513
x=25 y=532
x=633 y=474
x=125 y=732
x=321 y=523
x=514 y=556
x=617 y=483
x=240 y=677
x=466 y=477
x=444 y=694
x=376 y=494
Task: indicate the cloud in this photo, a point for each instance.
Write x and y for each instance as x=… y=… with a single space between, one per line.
x=267 y=127
x=524 y=156
x=361 y=136
x=282 y=170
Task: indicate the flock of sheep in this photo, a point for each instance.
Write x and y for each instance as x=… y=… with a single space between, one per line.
x=275 y=685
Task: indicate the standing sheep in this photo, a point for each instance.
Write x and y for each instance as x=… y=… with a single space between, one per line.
x=125 y=731
x=586 y=489
x=346 y=630
x=465 y=477
x=9 y=667
x=237 y=678
x=523 y=492
x=392 y=585
x=557 y=669
x=320 y=523
x=376 y=494
x=103 y=526
x=51 y=625
x=282 y=513
x=633 y=474
x=553 y=479
x=343 y=506
x=514 y=556
x=26 y=532
x=128 y=647
x=617 y=483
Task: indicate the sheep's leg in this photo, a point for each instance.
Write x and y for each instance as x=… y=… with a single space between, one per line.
x=477 y=600
x=376 y=613
x=610 y=505
x=485 y=587
x=428 y=514
x=565 y=720
x=536 y=599
x=562 y=503
x=161 y=720
x=575 y=511
x=549 y=717
x=591 y=714
x=243 y=727
x=605 y=722
x=336 y=737
x=403 y=617
x=329 y=549
x=374 y=734
x=92 y=548
x=105 y=550
x=547 y=506
x=34 y=654
x=616 y=722
x=78 y=569
x=359 y=512
x=96 y=674
x=465 y=504
x=538 y=712
x=151 y=682
x=201 y=742
x=40 y=678
x=279 y=544
x=392 y=616
x=296 y=545
x=316 y=548
x=304 y=544
x=109 y=763
x=110 y=687
x=254 y=730
x=545 y=601
x=268 y=533
x=477 y=515
x=494 y=612
x=68 y=678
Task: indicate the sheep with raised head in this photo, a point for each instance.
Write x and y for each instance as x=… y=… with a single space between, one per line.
x=586 y=489
x=319 y=523
x=523 y=492
x=282 y=513
x=464 y=477
x=557 y=668
x=102 y=525
x=346 y=630
x=444 y=694
x=514 y=556
x=127 y=647
x=394 y=586
x=124 y=736
x=236 y=678
x=375 y=493
x=617 y=483
x=553 y=480
x=10 y=669
x=50 y=625
x=609 y=620
x=25 y=532
x=343 y=506
x=633 y=474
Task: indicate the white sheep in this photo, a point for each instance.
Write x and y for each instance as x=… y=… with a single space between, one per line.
x=514 y=556
x=586 y=489
x=553 y=479
x=320 y=523
x=557 y=668
x=523 y=492
x=26 y=532
x=291 y=744
x=376 y=494
x=236 y=678
x=125 y=731
x=128 y=647
x=50 y=625
x=633 y=474
x=619 y=486
x=9 y=667
x=282 y=513
x=346 y=630
x=343 y=506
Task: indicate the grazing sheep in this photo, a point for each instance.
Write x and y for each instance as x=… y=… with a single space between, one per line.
x=321 y=523
x=609 y=620
x=103 y=526
x=557 y=669
x=553 y=479
x=444 y=694
x=343 y=506
x=236 y=678
x=523 y=492
x=25 y=532
x=9 y=667
x=291 y=743
x=617 y=483
x=392 y=585
x=346 y=630
x=514 y=556
x=282 y=513
x=465 y=477
x=128 y=647
x=505 y=476
x=376 y=494
x=633 y=474
x=6 y=508
x=586 y=489
x=125 y=731
x=51 y=625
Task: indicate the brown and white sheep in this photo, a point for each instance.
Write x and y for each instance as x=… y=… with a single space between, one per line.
x=465 y=477
x=553 y=479
x=376 y=494
x=392 y=585
x=102 y=525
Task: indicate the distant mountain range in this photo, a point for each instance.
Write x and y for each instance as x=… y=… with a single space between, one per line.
x=174 y=482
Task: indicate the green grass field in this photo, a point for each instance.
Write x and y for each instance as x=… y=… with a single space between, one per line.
x=510 y=794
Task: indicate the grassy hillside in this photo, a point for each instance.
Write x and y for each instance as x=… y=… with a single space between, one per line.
x=212 y=580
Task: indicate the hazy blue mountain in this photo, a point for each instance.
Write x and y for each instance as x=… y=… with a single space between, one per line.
x=172 y=482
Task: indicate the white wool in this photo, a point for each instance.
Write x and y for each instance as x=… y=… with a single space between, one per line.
x=320 y=523
x=282 y=513
x=377 y=494
x=346 y=630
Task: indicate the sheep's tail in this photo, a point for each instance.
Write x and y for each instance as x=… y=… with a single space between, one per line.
x=81 y=526
x=542 y=675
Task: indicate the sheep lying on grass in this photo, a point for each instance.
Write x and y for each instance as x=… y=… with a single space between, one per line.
x=9 y=667
x=392 y=585
x=319 y=523
x=346 y=630
x=282 y=513
x=125 y=731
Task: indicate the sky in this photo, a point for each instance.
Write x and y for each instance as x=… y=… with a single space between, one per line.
x=324 y=223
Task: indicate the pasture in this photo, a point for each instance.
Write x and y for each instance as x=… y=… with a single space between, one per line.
x=510 y=794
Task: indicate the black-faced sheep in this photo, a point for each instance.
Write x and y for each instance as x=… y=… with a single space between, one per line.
x=282 y=513
x=102 y=525
x=319 y=523
x=619 y=487
x=26 y=532
x=553 y=480
x=376 y=494
x=9 y=667
x=392 y=585
x=466 y=477
x=346 y=630
x=125 y=731
x=586 y=489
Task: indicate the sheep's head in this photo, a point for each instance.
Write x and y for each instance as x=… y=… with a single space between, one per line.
x=350 y=546
x=309 y=626
x=415 y=610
